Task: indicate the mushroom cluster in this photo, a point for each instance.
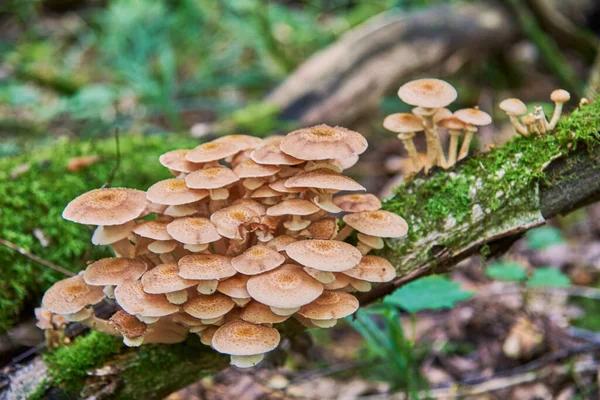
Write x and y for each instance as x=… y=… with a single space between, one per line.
x=244 y=236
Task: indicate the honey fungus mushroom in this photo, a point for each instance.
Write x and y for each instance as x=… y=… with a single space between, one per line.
x=328 y=308
x=146 y=307
x=110 y=272
x=206 y=269
x=374 y=225
x=72 y=297
x=210 y=309
x=406 y=126
x=473 y=117
x=165 y=279
x=246 y=343
x=111 y=206
x=132 y=329
x=514 y=108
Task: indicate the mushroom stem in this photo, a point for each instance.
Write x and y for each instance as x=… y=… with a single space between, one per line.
x=521 y=130
x=436 y=156
x=555 y=115
x=363 y=248
x=409 y=145
x=324 y=323
x=296 y=223
x=178 y=297
x=207 y=287
x=133 y=342
x=540 y=119
x=284 y=312
x=325 y=202
x=344 y=233
x=80 y=315
x=464 y=149
x=453 y=149
x=246 y=361
x=109 y=291
x=241 y=302
x=361 y=286
x=219 y=194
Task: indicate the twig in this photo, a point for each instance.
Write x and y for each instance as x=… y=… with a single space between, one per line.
x=117 y=164
x=35 y=258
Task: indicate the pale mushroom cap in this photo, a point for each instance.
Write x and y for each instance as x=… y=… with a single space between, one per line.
x=324 y=255
x=429 y=93
x=241 y=338
x=71 y=295
x=110 y=234
x=235 y=287
x=373 y=269
x=193 y=230
x=205 y=267
x=323 y=179
x=258 y=313
x=264 y=192
x=473 y=116
x=132 y=298
x=175 y=160
x=279 y=186
x=280 y=242
x=403 y=123
x=228 y=220
x=111 y=206
x=285 y=287
x=174 y=192
x=324 y=229
x=187 y=320
x=357 y=202
x=441 y=114
x=330 y=305
x=293 y=207
x=323 y=142
x=243 y=142
x=164 y=278
x=251 y=169
x=513 y=106
x=341 y=281
x=114 y=271
x=155 y=229
x=560 y=96
x=257 y=259
x=212 y=151
x=211 y=178
x=345 y=163
x=271 y=154
x=254 y=205
x=378 y=223
x=128 y=325
x=208 y=306
x=453 y=123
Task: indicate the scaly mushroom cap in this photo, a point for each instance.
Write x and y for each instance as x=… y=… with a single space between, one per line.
x=560 y=96
x=241 y=338
x=251 y=169
x=357 y=202
x=174 y=192
x=228 y=220
x=164 y=278
x=175 y=160
x=243 y=142
x=271 y=154
x=373 y=269
x=323 y=142
x=205 y=267
x=212 y=151
x=256 y=260
x=378 y=223
x=132 y=298
x=155 y=229
x=324 y=229
x=112 y=206
x=293 y=207
x=403 y=123
x=211 y=178
x=71 y=295
x=280 y=243
x=208 y=306
x=513 y=106
x=235 y=287
x=330 y=305
x=452 y=123
x=187 y=320
x=258 y=313
x=128 y=325
x=473 y=116
x=428 y=93
x=324 y=255
x=285 y=287
x=193 y=230
x=254 y=205
x=114 y=271
x=323 y=179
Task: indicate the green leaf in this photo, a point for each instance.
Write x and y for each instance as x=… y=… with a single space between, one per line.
x=544 y=237
x=430 y=293
x=549 y=277
x=506 y=271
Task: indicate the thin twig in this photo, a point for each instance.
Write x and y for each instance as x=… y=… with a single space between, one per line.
x=117 y=164
x=35 y=258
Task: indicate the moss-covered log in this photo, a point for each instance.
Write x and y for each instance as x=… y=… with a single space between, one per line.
x=482 y=205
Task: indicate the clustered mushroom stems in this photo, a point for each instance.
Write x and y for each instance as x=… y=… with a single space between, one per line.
x=243 y=237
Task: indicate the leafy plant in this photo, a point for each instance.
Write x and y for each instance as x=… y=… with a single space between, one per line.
x=548 y=277
x=506 y=271
x=544 y=237
x=430 y=293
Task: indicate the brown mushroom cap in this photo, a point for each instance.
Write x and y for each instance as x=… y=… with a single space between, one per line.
x=228 y=220
x=345 y=163
x=256 y=260
x=324 y=255
x=378 y=223
x=205 y=267
x=323 y=142
x=164 y=278
x=324 y=229
x=193 y=230
x=212 y=151
x=243 y=142
x=280 y=242
x=155 y=229
x=429 y=93
x=174 y=192
x=71 y=295
x=560 y=96
x=473 y=116
x=279 y=185
x=341 y=281
x=208 y=306
x=241 y=338
x=132 y=298
x=251 y=169
x=111 y=206
x=114 y=271
x=271 y=154
x=330 y=305
x=293 y=207
x=403 y=123
x=285 y=287
x=211 y=178
x=373 y=269
x=235 y=287
x=440 y=114
x=357 y=202
x=452 y=123
x=264 y=192
x=323 y=179
x=258 y=313
x=187 y=320
x=513 y=106
x=128 y=325
x=175 y=160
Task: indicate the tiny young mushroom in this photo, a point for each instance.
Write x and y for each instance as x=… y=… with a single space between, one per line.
x=176 y=162
x=174 y=192
x=328 y=308
x=212 y=152
x=165 y=279
x=406 y=126
x=132 y=329
x=206 y=269
x=71 y=298
x=357 y=202
x=235 y=287
x=246 y=343
x=256 y=260
x=297 y=208
x=559 y=97
x=371 y=269
x=514 y=108
x=210 y=309
x=540 y=119
x=110 y=272
x=146 y=307
x=374 y=225
x=473 y=117
x=214 y=179
x=455 y=128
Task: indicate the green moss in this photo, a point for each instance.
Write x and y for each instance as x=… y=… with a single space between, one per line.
x=35 y=200
x=39 y=392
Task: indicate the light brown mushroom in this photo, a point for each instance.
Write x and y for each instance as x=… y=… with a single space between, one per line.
x=209 y=269
x=329 y=307
x=104 y=235
x=210 y=309
x=246 y=343
x=256 y=260
x=132 y=329
x=379 y=223
x=110 y=272
x=235 y=287
x=176 y=162
x=473 y=117
x=406 y=126
x=145 y=306
x=297 y=208
x=71 y=298
x=193 y=230
x=260 y=314
x=455 y=128
x=165 y=279
x=371 y=269
x=559 y=97
x=155 y=229
x=174 y=192
x=324 y=229
x=111 y=206
x=243 y=142
x=214 y=179
x=324 y=256
x=357 y=202
x=514 y=108
x=212 y=151
x=271 y=154
x=230 y=220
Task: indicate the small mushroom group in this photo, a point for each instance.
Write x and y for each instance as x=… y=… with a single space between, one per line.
x=430 y=98
x=243 y=237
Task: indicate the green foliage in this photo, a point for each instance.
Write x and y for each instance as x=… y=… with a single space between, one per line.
x=544 y=237
x=430 y=293
x=506 y=271
x=34 y=201
x=548 y=277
